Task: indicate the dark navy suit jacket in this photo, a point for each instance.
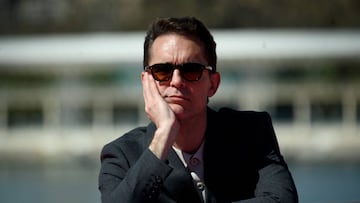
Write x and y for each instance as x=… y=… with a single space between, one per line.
x=242 y=163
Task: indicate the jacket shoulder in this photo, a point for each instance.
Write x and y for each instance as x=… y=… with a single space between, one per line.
x=135 y=140
x=252 y=126
x=134 y=135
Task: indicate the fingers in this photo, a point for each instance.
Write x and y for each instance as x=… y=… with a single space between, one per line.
x=150 y=91
x=156 y=108
x=160 y=113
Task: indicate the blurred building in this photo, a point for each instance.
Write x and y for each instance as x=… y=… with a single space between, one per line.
x=65 y=96
x=69 y=16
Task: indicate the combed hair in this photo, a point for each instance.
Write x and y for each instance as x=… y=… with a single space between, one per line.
x=185 y=26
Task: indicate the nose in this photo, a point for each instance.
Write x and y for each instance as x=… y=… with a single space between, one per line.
x=176 y=79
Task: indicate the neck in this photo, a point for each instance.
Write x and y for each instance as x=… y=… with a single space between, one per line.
x=192 y=133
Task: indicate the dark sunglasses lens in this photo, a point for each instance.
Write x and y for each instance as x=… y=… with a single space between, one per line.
x=192 y=71
x=162 y=72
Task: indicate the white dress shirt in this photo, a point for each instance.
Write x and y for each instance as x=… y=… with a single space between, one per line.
x=195 y=166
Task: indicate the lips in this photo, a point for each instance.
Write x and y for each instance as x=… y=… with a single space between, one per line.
x=176 y=98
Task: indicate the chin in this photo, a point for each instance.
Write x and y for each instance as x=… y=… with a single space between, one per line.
x=182 y=113
x=178 y=109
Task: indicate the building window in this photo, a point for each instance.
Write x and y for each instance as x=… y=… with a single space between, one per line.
x=322 y=112
x=282 y=112
x=125 y=114
x=22 y=116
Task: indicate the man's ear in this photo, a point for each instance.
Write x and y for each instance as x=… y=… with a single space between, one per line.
x=215 y=82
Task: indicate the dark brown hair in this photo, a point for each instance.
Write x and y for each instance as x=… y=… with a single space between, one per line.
x=186 y=26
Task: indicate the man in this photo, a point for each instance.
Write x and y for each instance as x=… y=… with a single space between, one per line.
x=190 y=153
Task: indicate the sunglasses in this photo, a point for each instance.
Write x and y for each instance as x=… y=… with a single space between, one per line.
x=189 y=71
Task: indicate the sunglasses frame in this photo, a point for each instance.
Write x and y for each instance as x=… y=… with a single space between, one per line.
x=179 y=67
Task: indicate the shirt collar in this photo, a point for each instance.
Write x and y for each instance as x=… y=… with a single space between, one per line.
x=185 y=157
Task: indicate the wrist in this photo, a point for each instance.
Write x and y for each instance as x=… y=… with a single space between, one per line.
x=163 y=140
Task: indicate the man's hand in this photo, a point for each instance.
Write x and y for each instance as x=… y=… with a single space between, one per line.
x=160 y=113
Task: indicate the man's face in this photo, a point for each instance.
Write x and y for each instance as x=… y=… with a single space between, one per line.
x=186 y=98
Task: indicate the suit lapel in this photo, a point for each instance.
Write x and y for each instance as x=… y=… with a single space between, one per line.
x=179 y=183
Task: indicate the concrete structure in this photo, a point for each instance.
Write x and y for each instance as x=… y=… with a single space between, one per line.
x=65 y=96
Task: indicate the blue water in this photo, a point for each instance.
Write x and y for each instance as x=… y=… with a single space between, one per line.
x=327 y=183
x=315 y=184
x=57 y=185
